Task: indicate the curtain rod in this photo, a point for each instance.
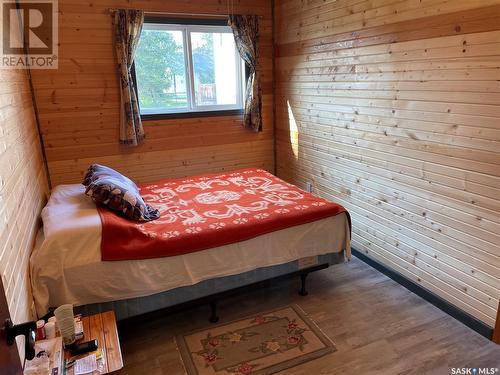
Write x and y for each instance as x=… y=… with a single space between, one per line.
x=112 y=10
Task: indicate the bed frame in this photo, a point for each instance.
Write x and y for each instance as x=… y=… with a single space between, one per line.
x=209 y=292
x=214 y=318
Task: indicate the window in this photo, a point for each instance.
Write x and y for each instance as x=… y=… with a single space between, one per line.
x=185 y=68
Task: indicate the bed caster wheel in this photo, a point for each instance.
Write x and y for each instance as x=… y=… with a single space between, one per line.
x=213 y=313
x=303 y=292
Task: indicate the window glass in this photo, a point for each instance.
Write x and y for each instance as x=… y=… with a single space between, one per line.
x=160 y=69
x=214 y=66
x=187 y=68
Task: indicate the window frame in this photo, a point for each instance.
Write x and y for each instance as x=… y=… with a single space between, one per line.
x=188 y=26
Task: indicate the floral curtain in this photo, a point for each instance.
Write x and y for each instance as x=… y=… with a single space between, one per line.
x=246 y=32
x=128 y=27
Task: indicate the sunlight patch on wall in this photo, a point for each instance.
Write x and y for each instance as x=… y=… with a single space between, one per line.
x=294 y=131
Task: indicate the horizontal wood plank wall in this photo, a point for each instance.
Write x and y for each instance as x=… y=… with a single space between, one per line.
x=23 y=189
x=391 y=108
x=79 y=103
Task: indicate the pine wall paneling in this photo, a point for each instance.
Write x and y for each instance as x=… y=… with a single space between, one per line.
x=23 y=189
x=391 y=108
x=79 y=103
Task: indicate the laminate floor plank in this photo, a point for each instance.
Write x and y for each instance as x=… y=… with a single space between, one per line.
x=378 y=326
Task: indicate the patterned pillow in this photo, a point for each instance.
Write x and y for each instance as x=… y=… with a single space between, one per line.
x=110 y=188
x=96 y=171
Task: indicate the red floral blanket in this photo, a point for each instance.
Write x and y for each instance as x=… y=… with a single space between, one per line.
x=207 y=211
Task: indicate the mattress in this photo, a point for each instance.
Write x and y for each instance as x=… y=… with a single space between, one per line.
x=66 y=265
x=210 y=210
x=130 y=307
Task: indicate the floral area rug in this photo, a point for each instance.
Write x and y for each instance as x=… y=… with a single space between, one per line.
x=257 y=345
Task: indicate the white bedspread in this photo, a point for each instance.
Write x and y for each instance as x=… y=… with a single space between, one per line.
x=66 y=265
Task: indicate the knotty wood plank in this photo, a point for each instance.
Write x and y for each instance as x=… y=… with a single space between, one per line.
x=363 y=114
x=113 y=350
x=23 y=190
x=82 y=96
x=86 y=327
x=403 y=11
x=457 y=23
x=96 y=331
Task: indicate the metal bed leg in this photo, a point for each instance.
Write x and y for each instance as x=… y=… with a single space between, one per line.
x=303 y=291
x=213 y=312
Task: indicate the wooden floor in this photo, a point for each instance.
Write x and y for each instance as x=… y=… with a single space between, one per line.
x=379 y=327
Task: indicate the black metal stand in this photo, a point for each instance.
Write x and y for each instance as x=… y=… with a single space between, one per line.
x=303 y=291
x=212 y=299
x=214 y=318
x=213 y=312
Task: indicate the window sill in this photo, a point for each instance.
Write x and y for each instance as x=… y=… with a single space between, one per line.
x=181 y=115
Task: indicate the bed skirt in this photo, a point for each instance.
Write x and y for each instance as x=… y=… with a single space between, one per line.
x=128 y=308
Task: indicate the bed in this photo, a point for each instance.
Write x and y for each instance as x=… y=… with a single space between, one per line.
x=67 y=263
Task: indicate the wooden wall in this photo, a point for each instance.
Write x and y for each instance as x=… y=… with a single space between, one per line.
x=23 y=189
x=79 y=103
x=391 y=108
